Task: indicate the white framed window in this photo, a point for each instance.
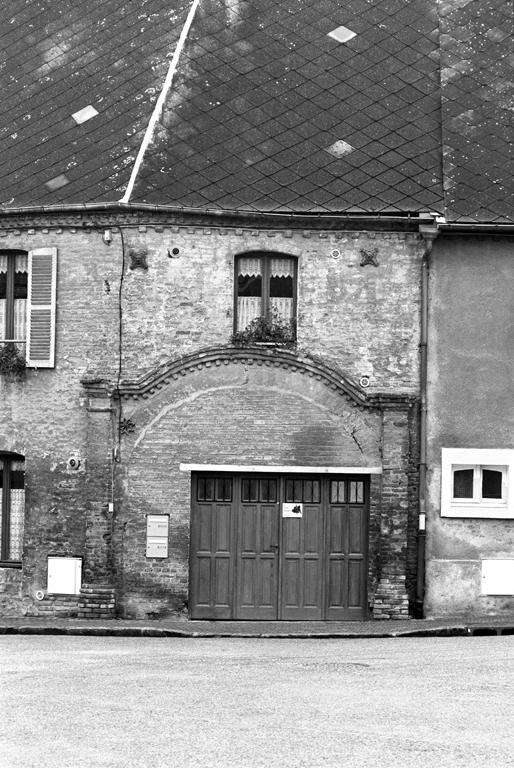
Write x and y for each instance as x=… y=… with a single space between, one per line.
x=477 y=482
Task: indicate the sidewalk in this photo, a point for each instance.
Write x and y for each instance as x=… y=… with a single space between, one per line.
x=264 y=629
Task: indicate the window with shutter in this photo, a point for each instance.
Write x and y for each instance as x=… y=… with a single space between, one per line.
x=42 y=266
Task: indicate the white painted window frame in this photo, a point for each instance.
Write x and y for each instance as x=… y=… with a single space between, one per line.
x=477 y=459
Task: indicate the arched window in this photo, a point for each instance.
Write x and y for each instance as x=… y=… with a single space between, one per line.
x=265 y=291
x=12 y=506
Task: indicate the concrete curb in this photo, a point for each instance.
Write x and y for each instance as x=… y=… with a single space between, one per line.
x=457 y=630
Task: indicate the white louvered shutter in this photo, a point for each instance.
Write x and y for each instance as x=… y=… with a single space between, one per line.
x=41 y=307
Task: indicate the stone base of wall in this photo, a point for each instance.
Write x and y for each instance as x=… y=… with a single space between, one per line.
x=391 y=601
x=55 y=606
x=97 y=602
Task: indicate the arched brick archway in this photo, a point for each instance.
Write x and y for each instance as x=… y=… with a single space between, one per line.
x=251 y=407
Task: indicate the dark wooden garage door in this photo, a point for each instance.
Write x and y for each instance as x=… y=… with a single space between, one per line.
x=278 y=547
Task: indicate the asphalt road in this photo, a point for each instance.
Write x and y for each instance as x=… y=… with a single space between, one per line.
x=77 y=702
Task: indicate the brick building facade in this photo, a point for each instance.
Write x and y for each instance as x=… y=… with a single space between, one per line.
x=148 y=382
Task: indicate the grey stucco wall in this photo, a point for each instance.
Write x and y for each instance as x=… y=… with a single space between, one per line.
x=470 y=405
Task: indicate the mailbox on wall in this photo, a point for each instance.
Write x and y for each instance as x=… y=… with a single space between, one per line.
x=157 y=529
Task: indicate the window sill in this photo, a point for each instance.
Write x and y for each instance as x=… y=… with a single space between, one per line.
x=10 y=563
x=487 y=512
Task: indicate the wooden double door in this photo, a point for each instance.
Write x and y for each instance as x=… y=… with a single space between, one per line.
x=267 y=547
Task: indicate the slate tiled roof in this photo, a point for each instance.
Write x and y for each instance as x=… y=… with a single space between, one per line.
x=284 y=106
x=57 y=57
x=477 y=78
x=271 y=113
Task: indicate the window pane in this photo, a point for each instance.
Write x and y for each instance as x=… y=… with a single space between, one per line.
x=463 y=484
x=491 y=484
x=289 y=490
x=205 y=489
x=17 y=509
x=223 y=489
x=337 y=491
x=12 y=549
x=269 y=490
x=209 y=489
x=283 y=269
x=249 y=277
x=21 y=276
x=311 y=491
x=356 y=492
x=250 y=489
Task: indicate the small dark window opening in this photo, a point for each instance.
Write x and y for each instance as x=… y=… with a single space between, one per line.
x=491 y=484
x=463 y=484
x=214 y=489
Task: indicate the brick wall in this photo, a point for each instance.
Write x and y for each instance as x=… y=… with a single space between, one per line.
x=42 y=417
x=362 y=319
x=366 y=319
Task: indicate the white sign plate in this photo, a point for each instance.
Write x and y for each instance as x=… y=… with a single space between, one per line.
x=156 y=546
x=292 y=510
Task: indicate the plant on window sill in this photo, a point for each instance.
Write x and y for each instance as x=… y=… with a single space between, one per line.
x=12 y=362
x=267 y=330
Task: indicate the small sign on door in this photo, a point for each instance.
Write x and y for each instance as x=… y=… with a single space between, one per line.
x=290 y=509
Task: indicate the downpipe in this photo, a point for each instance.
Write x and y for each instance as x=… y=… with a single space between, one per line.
x=429 y=234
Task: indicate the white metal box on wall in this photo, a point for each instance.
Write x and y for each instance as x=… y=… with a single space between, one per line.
x=498 y=577
x=64 y=575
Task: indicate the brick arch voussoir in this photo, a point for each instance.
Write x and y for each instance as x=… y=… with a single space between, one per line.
x=153 y=382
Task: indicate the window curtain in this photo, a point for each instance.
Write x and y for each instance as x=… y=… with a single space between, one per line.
x=282 y=305
x=250 y=267
x=281 y=267
x=248 y=308
x=20 y=305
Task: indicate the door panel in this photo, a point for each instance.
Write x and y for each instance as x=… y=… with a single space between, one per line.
x=211 y=561
x=256 y=562
x=346 y=555
x=301 y=563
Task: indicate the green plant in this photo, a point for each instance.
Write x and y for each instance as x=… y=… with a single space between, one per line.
x=271 y=329
x=12 y=362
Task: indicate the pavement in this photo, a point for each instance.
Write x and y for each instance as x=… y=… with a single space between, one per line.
x=169 y=627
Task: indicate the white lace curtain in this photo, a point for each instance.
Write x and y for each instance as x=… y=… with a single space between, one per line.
x=282 y=267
